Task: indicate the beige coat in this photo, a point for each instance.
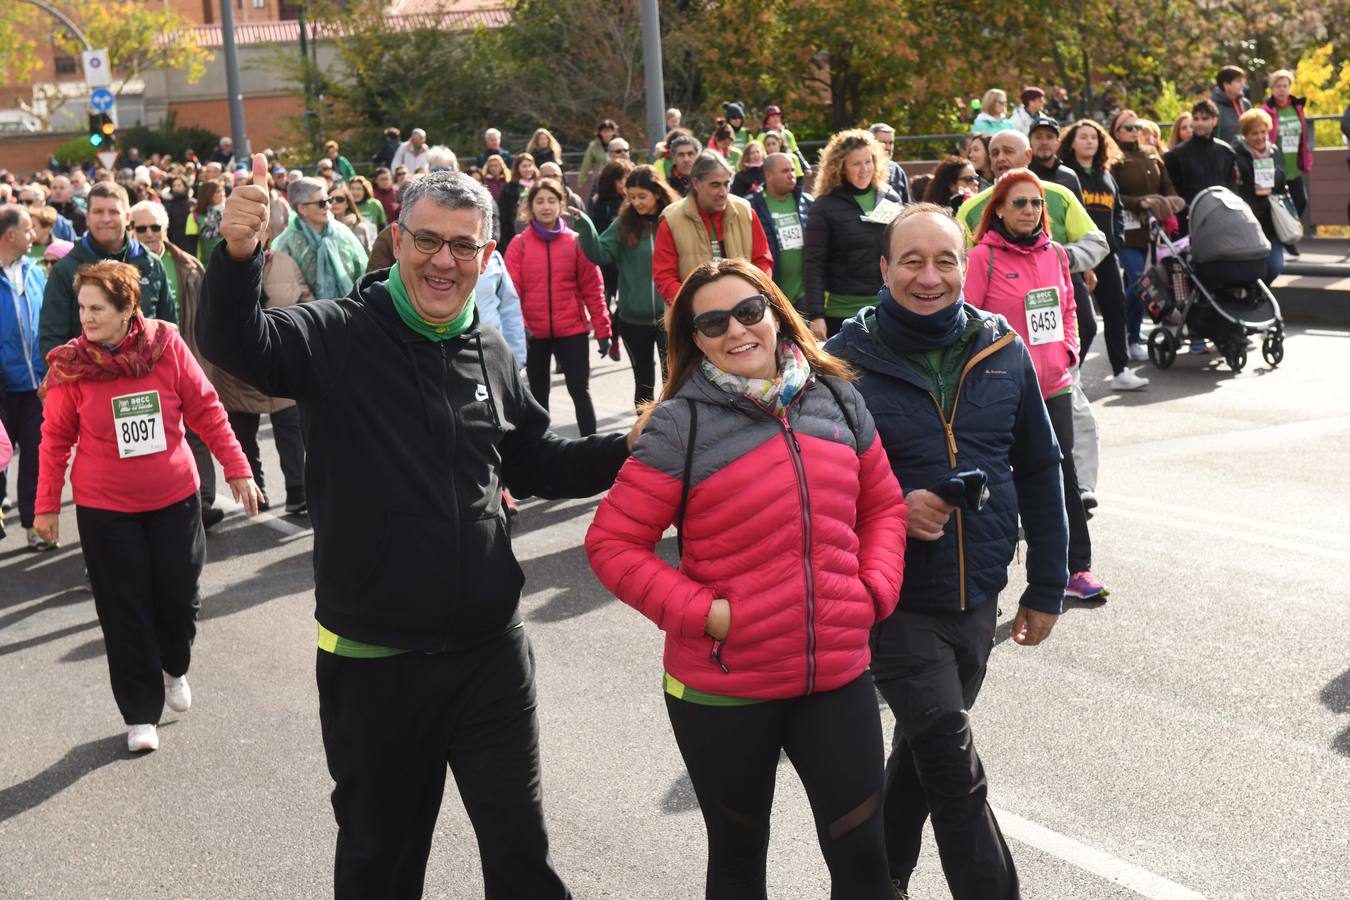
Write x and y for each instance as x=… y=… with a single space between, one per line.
x=282 y=285
x=691 y=235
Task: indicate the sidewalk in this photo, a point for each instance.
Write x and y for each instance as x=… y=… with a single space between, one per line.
x=1315 y=286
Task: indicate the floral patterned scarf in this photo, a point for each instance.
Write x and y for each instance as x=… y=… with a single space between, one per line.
x=774 y=394
x=134 y=357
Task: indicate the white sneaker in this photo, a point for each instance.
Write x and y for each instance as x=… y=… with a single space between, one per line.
x=1138 y=352
x=177 y=693
x=142 y=737
x=1127 y=381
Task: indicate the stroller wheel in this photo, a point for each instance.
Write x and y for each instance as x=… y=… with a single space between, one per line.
x=1272 y=348
x=1162 y=348
x=1236 y=357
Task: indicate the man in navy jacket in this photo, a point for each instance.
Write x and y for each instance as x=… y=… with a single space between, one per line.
x=953 y=388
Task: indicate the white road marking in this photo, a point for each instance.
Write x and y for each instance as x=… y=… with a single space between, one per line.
x=1092 y=860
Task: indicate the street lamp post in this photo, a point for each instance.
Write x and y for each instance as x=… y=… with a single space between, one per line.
x=652 y=75
x=237 y=131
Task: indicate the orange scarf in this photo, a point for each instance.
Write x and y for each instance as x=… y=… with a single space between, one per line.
x=134 y=357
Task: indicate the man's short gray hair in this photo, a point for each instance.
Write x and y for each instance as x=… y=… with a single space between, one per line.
x=879 y=128
x=302 y=189
x=418 y=132
x=448 y=190
x=10 y=216
x=492 y=132
x=155 y=209
x=709 y=163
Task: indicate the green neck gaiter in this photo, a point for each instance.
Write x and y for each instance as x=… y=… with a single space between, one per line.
x=431 y=331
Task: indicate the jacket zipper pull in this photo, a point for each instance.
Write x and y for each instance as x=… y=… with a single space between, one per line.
x=716 y=654
x=792 y=435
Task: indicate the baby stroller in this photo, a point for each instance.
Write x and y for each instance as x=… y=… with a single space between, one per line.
x=1212 y=289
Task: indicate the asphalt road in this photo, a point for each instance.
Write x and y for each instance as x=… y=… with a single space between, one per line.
x=1190 y=737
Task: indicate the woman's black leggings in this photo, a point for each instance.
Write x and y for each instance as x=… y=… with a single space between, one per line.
x=640 y=341
x=573 y=355
x=1110 y=297
x=1080 y=542
x=834 y=742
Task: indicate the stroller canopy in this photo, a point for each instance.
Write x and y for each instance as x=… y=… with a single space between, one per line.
x=1224 y=228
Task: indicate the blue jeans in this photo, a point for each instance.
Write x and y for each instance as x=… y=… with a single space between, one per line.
x=1275 y=263
x=1133 y=260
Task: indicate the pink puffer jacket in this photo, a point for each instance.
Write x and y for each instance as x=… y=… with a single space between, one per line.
x=558 y=286
x=1000 y=274
x=798 y=523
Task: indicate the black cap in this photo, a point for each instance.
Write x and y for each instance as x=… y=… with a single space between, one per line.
x=1043 y=121
x=733 y=111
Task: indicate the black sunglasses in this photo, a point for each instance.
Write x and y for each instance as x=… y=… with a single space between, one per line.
x=1021 y=202
x=749 y=311
x=142 y=229
x=320 y=203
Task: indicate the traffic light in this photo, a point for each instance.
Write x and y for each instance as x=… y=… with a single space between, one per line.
x=102 y=131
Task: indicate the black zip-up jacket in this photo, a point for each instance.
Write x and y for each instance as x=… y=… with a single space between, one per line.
x=1196 y=164
x=409 y=443
x=842 y=253
x=1060 y=174
x=1246 y=188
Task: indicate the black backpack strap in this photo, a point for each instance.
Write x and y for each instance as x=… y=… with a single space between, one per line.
x=688 y=476
x=843 y=408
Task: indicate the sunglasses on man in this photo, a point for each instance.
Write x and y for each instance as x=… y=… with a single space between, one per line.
x=749 y=311
x=153 y=229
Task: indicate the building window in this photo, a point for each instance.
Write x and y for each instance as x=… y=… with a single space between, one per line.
x=260 y=4
x=62 y=62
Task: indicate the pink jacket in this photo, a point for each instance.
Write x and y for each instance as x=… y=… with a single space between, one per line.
x=798 y=523
x=81 y=412
x=999 y=275
x=557 y=286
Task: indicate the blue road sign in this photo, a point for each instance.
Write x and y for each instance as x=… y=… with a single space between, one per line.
x=102 y=100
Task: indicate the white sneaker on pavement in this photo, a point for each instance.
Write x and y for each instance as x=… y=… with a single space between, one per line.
x=1138 y=353
x=142 y=737
x=1127 y=381
x=177 y=693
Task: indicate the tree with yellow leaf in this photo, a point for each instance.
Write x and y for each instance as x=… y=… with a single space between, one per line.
x=1327 y=93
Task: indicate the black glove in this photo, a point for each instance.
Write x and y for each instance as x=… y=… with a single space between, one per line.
x=604 y=345
x=968 y=490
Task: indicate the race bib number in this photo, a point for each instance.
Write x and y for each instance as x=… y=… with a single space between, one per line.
x=1132 y=220
x=789 y=231
x=139 y=424
x=883 y=212
x=1044 y=325
x=1263 y=171
x=1290 y=138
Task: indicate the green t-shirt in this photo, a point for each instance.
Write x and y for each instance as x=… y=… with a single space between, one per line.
x=171 y=276
x=1291 y=136
x=36 y=251
x=373 y=211
x=867 y=201
x=788 y=266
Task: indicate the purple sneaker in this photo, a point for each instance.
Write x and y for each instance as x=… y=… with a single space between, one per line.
x=1086 y=586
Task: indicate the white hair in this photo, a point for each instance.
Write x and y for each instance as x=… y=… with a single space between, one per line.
x=492 y=132
x=441 y=155
x=155 y=209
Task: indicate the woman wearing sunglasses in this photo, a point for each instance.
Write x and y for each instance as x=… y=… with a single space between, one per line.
x=792 y=537
x=954 y=182
x=1017 y=271
x=1145 y=191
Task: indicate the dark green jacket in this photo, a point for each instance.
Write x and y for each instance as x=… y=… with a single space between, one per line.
x=60 y=318
x=639 y=301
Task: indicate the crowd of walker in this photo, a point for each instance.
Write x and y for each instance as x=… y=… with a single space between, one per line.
x=863 y=397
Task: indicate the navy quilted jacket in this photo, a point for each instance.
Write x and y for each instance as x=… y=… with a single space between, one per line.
x=999 y=424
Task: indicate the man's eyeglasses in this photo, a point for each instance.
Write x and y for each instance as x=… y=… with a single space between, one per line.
x=31 y=201
x=1021 y=202
x=460 y=248
x=322 y=204
x=618 y=151
x=142 y=229
x=749 y=311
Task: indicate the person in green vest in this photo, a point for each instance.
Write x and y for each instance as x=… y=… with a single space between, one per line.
x=734 y=113
x=773 y=122
x=596 y=154
x=363 y=196
x=340 y=163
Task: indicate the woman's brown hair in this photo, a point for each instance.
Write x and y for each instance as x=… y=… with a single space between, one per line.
x=120 y=281
x=1108 y=152
x=543 y=184
x=633 y=226
x=206 y=196
x=683 y=355
x=836 y=152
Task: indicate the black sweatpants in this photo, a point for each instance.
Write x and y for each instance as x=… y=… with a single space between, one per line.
x=1110 y=297
x=930 y=669
x=1080 y=541
x=642 y=342
x=833 y=740
x=144 y=569
x=21 y=411
x=1087 y=322
x=290 y=446
x=390 y=728
x=573 y=355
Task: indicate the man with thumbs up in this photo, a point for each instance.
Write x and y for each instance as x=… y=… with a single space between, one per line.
x=416 y=419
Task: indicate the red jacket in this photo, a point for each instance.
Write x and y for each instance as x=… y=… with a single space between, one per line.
x=998 y=277
x=80 y=412
x=799 y=524
x=557 y=286
x=666 y=259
